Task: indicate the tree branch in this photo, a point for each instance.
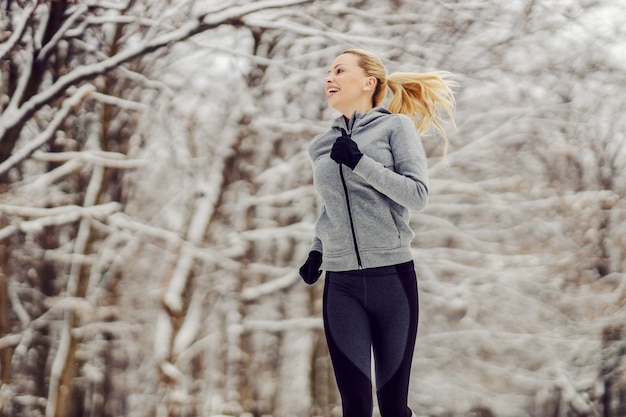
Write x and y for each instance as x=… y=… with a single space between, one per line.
x=47 y=49
x=201 y=24
x=37 y=212
x=300 y=323
x=7 y=46
x=53 y=216
x=47 y=134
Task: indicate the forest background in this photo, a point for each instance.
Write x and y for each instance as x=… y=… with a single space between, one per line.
x=156 y=202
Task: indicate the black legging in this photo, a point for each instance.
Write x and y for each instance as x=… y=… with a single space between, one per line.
x=372 y=309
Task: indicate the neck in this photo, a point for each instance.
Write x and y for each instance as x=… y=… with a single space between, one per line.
x=363 y=108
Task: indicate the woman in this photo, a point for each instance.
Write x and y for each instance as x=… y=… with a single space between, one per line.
x=370 y=169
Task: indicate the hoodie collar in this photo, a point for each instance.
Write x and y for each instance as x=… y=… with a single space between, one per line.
x=359 y=118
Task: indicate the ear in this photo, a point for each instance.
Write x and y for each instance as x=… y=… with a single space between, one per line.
x=370 y=84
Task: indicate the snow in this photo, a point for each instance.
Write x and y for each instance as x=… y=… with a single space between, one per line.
x=158 y=203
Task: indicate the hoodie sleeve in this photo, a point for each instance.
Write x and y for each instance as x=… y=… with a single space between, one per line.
x=407 y=181
x=316 y=245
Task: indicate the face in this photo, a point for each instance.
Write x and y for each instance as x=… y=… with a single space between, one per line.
x=348 y=88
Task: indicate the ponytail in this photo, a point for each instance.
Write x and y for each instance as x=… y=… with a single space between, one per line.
x=421 y=96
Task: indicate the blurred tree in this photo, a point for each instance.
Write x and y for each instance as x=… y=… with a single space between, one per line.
x=72 y=91
x=157 y=200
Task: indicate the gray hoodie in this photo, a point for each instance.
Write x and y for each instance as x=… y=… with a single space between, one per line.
x=365 y=216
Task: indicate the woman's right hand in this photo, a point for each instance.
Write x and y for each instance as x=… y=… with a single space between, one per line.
x=310 y=271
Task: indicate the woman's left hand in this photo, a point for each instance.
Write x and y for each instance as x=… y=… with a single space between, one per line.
x=346 y=151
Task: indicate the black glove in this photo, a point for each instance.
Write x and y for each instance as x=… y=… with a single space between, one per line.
x=310 y=271
x=345 y=151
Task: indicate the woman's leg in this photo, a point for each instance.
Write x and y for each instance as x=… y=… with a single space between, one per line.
x=393 y=305
x=372 y=308
x=347 y=328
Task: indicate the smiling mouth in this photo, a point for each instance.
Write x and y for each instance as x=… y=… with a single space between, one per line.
x=331 y=91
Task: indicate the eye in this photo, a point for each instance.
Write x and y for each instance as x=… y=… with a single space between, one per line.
x=339 y=70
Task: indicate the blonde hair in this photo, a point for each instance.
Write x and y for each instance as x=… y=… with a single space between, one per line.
x=421 y=96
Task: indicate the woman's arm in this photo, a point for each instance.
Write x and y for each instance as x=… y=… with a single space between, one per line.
x=407 y=181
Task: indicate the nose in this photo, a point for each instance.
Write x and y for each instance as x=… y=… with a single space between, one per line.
x=328 y=78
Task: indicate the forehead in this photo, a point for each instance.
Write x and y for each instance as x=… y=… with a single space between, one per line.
x=350 y=60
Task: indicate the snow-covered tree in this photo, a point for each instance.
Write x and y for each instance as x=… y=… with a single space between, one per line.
x=156 y=202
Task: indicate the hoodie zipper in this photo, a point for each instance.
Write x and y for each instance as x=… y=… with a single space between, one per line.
x=345 y=190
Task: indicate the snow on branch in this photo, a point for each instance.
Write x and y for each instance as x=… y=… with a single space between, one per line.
x=75 y=160
x=52 y=216
x=58 y=364
x=107 y=5
x=171 y=371
x=53 y=176
x=10 y=340
x=139 y=78
x=272 y=233
x=301 y=323
x=120 y=102
x=283 y=197
x=191 y=325
x=70 y=258
x=278 y=284
x=18 y=31
x=204 y=209
x=105 y=159
x=123 y=222
x=38 y=225
x=92 y=211
x=48 y=48
x=56 y=306
x=291 y=26
x=119 y=19
x=137 y=230
x=116 y=327
x=23 y=58
x=49 y=132
x=284 y=168
x=17 y=306
x=192 y=27
x=173 y=295
x=579 y=402
x=251 y=7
